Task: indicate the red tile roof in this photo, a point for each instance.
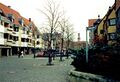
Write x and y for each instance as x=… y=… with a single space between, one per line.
x=91 y=22
x=7 y=10
x=26 y=21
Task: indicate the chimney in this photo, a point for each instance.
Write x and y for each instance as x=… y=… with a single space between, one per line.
x=98 y=16
x=9 y=6
x=78 y=36
x=29 y=19
x=110 y=7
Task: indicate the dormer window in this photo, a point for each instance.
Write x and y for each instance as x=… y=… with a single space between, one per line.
x=25 y=29
x=6 y=24
x=21 y=22
x=1 y=13
x=11 y=17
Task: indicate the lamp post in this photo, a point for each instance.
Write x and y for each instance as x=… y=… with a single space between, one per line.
x=92 y=30
x=86 y=45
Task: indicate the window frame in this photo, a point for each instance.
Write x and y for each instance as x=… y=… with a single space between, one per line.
x=110 y=22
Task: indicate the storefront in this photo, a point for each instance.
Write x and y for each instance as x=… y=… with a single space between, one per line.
x=5 y=51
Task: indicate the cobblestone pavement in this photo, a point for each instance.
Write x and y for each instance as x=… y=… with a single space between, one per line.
x=28 y=69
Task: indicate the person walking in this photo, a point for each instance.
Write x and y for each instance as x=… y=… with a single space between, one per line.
x=22 y=54
x=19 y=54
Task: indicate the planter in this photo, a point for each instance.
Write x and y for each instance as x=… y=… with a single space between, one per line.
x=75 y=76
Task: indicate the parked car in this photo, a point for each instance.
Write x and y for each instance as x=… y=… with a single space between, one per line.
x=40 y=54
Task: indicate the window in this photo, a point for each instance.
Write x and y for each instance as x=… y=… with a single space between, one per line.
x=10 y=37
x=112 y=36
x=2 y=23
x=16 y=29
x=21 y=22
x=27 y=40
x=15 y=38
x=5 y=35
x=6 y=24
x=38 y=42
x=30 y=41
x=101 y=31
x=23 y=39
x=11 y=17
x=38 y=36
x=112 y=22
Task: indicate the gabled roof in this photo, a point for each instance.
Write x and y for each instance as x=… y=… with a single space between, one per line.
x=108 y=13
x=7 y=10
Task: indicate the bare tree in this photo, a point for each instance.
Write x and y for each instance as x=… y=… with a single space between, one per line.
x=69 y=36
x=52 y=14
x=63 y=26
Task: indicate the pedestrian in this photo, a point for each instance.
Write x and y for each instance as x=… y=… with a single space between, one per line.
x=19 y=54
x=22 y=54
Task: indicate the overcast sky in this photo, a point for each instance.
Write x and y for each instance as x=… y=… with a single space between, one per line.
x=79 y=11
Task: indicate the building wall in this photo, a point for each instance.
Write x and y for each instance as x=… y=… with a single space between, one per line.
x=112 y=29
x=100 y=28
x=1 y=35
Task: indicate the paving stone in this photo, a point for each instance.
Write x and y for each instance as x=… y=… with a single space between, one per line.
x=28 y=69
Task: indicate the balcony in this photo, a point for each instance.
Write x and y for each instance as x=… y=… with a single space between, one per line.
x=24 y=36
x=15 y=43
x=24 y=44
x=1 y=41
x=9 y=29
x=8 y=42
x=13 y=32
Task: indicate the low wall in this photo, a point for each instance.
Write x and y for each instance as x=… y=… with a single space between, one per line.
x=75 y=76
